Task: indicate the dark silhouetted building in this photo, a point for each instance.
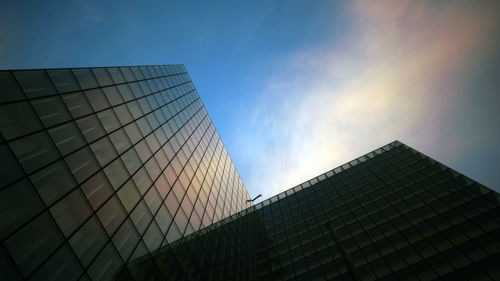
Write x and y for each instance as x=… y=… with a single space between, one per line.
x=392 y=214
x=118 y=173
x=102 y=166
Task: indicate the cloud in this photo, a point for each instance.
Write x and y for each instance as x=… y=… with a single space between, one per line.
x=395 y=77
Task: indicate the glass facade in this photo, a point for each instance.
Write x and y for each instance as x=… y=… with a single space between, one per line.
x=392 y=214
x=102 y=166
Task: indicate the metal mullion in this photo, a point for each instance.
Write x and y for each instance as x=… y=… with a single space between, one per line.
x=204 y=176
x=164 y=236
x=56 y=68
x=78 y=185
x=81 y=90
x=152 y=185
x=94 y=112
x=208 y=169
x=46 y=209
x=88 y=144
x=126 y=217
x=219 y=185
x=218 y=159
x=190 y=180
x=212 y=157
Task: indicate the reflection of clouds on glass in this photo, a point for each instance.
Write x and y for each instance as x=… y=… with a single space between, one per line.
x=397 y=77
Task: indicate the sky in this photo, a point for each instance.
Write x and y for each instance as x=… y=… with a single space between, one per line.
x=296 y=88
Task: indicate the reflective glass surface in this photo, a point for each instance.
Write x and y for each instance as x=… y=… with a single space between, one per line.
x=86 y=160
x=393 y=214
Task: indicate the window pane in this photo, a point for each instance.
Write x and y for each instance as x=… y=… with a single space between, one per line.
x=129 y=195
x=162 y=186
x=131 y=160
x=142 y=180
x=77 y=104
x=70 y=212
x=181 y=220
x=11 y=170
x=173 y=233
x=88 y=240
x=120 y=141
x=123 y=114
x=135 y=110
x=145 y=71
x=106 y=266
x=108 y=120
x=82 y=164
x=63 y=265
x=64 y=80
x=51 y=110
x=127 y=73
x=90 y=128
x=35 y=83
x=97 y=99
x=152 y=199
x=137 y=72
x=86 y=78
x=52 y=182
x=17 y=119
x=125 y=239
x=141 y=217
x=116 y=74
x=136 y=89
x=97 y=190
x=116 y=173
x=103 y=151
x=102 y=76
x=143 y=150
x=32 y=244
x=18 y=203
x=67 y=138
x=163 y=218
x=34 y=151
x=125 y=92
x=133 y=132
x=111 y=215
x=153 y=168
x=113 y=95
x=145 y=87
x=9 y=88
x=153 y=237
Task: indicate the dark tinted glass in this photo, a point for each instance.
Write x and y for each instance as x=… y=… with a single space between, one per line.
x=18 y=119
x=34 y=151
x=64 y=80
x=19 y=203
x=51 y=111
x=67 y=138
x=35 y=83
x=53 y=181
x=71 y=212
x=9 y=88
x=86 y=78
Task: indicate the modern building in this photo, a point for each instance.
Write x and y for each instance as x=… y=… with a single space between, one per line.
x=392 y=214
x=101 y=166
x=118 y=173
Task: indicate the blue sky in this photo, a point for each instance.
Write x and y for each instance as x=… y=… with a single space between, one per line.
x=296 y=88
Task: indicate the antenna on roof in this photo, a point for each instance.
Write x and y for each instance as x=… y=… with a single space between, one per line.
x=251 y=200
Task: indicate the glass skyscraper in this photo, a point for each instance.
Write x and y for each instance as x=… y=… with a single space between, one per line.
x=392 y=214
x=118 y=173
x=101 y=166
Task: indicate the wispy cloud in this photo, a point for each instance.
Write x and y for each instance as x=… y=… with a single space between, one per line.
x=394 y=77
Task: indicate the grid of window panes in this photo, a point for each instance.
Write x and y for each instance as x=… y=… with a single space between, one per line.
x=104 y=165
x=393 y=214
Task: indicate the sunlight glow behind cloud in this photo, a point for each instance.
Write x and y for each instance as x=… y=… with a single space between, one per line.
x=396 y=77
